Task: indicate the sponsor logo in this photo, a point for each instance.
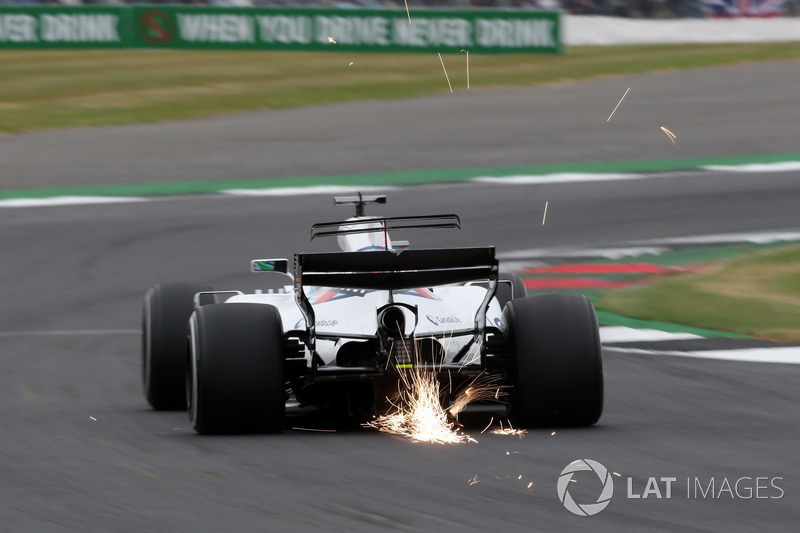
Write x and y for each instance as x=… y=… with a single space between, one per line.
x=155 y=27
x=321 y=323
x=440 y=320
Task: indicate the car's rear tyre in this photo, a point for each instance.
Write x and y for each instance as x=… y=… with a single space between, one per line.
x=514 y=291
x=165 y=313
x=555 y=361
x=236 y=381
x=510 y=287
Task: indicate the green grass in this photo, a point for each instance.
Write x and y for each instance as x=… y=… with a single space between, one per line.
x=56 y=89
x=757 y=295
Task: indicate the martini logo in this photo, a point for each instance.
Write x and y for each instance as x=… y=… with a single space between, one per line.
x=586 y=509
x=156 y=27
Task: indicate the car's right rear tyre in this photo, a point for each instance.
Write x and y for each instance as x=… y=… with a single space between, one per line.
x=513 y=288
x=236 y=381
x=555 y=361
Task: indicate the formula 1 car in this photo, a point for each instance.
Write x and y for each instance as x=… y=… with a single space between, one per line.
x=345 y=324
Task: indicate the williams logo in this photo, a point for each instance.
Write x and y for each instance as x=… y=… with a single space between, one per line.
x=586 y=509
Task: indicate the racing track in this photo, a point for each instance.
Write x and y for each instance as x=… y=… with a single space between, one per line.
x=81 y=452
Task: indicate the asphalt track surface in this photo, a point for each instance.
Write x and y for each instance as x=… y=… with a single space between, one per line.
x=82 y=452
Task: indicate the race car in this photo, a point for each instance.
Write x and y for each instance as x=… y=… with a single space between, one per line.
x=344 y=325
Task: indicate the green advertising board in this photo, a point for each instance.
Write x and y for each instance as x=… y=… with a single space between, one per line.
x=65 y=27
x=188 y=27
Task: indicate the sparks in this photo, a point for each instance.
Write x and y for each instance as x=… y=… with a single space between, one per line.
x=474 y=480
x=417 y=412
x=618 y=103
x=617 y=474
x=445 y=71
x=351 y=63
x=467 y=51
x=488 y=426
x=408 y=12
x=314 y=429
x=530 y=484
x=330 y=40
x=544 y=216
x=671 y=135
x=552 y=434
x=93 y=418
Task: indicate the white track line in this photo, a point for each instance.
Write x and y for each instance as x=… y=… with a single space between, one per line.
x=294 y=191
x=68 y=200
x=566 y=177
x=57 y=332
x=782 y=166
x=653 y=246
x=786 y=355
x=617 y=334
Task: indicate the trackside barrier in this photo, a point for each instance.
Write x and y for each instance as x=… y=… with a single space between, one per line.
x=219 y=28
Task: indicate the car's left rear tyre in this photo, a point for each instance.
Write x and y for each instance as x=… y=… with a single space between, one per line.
x=165 y=313
x=236 y=382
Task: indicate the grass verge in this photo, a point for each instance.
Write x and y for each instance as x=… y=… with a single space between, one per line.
x=757 y=295
x=56 y=89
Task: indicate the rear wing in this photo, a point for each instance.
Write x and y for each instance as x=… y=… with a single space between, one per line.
x=329 y=229
x=390 y=270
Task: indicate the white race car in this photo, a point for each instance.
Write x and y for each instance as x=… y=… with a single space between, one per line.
x=345 y=324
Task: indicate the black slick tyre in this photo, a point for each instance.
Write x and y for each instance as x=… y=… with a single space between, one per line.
x=512 y=288
x=555 y=361
x=236 y=382
x=165 y=314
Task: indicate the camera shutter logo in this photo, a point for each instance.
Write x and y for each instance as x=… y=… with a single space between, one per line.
x=587 y=509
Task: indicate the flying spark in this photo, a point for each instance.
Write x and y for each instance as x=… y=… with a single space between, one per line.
x=618 y=103
x=467 y=51
x=408 y=12
x=314 y=429
x=481 y=388
x=509 y=431
x=93 y=418
x=530 y=484
x=445 y=71
x=552 y=434
x=474 y=480
x=617 y=474
x=330 y=40
x=520 y=476
x=671 y=135
x=351 y=63
x=544 y=216
x=487 y=427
